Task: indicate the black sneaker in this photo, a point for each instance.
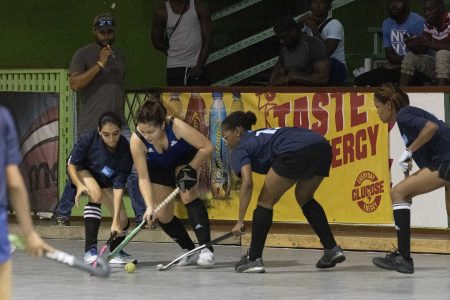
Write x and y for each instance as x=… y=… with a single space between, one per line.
x=396 y=262
x=60 y=220
x=245 y=265
x=331 y=257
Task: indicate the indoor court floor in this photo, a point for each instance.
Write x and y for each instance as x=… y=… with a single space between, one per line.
x=290 y=274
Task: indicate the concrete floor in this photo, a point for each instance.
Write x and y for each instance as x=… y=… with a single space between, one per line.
x=291 y=274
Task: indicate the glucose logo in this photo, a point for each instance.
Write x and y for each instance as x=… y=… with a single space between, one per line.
x=368 y=191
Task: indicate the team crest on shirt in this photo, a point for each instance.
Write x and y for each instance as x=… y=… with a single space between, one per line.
x=368 y=191
x=107 y=171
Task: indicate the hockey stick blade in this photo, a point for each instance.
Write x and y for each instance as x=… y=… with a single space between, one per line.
x=133 y=233
x=162 y=267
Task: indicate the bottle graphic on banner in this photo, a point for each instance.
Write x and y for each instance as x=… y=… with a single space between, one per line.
x=220 y=165
x=236 y=105
x=175 y=106
x=196 y=117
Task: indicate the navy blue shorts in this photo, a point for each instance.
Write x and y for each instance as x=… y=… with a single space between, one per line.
x=5 y=254
x=165 y=175
x=305 y=163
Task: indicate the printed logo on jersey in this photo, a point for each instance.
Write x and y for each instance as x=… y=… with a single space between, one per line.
x=367 y=192
x=173 y=143
x=150 y=150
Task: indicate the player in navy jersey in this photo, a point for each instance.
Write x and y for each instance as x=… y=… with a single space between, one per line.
x=98 y=166
x=13 y=186
x=168 y=152
x=289 y=156
x=427 y=141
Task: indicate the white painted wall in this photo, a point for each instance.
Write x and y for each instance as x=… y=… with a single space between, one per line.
x=428 y=210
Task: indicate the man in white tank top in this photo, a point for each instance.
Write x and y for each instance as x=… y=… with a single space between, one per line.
x=182 y=30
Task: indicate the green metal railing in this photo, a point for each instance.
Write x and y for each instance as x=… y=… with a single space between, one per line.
x=47 y=81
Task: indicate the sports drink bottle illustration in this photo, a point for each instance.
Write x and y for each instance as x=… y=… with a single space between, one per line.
x=236 y=105
x=175 y=106
x=196 y=117
x=220 y=165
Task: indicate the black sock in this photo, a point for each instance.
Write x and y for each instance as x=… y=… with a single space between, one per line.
x=316 y=217
x=198 y=217
x=92 y=219
x=262 y=221
x=178 y=233
x=119 y=239
x=402 y=220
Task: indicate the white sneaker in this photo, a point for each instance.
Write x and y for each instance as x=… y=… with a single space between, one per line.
x=122 y=258
x=206 y=258
x=90 y=256
x=188 y=260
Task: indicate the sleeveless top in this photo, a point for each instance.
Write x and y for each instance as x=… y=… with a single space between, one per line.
x=186 y=41
x=177 y=148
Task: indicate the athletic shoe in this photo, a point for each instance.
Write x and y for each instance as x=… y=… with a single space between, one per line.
x=396 y=262
x=121 y=258
x=188 y=260
x=91 y=255
x=59 y=220
x=206 y=258
x=331 y=257
x=245 y=265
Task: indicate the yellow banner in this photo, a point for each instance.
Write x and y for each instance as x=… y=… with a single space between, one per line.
x=357 y=190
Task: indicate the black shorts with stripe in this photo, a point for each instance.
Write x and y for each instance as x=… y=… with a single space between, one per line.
x=443 y=168
x=305 y=163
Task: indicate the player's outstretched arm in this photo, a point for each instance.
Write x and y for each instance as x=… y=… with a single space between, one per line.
x=19 y=199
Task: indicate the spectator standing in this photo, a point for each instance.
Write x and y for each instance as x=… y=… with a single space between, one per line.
x=182 y=29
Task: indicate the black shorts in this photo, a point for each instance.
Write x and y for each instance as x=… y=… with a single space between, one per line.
x=305 y=163
x=443 y=168
x=165 y=175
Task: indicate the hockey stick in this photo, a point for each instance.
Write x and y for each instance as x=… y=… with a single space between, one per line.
x=102 y=270
x=105 y=246
x=139 y=227
x=162 y=267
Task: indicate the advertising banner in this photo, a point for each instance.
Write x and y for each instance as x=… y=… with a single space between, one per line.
x=357 y=190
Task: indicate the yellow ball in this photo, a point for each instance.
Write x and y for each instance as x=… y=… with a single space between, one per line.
x=130 y=267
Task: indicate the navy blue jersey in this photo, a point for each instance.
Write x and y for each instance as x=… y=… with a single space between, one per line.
x=9 y=151
x=177 y=149
x=259 y=148
x=90 y=153
x=411 y=120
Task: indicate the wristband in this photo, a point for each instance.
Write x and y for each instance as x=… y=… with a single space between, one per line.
x=100 y=64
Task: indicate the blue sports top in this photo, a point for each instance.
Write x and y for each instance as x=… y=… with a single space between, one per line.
x=260 y=148
x=9 y=151
x=90 y=153
x=411 y=120
x=177 y=148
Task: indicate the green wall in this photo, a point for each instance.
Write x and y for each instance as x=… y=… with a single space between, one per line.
x=46 y=33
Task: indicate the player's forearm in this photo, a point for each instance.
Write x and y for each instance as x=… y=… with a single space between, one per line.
x=203 y=154
x=118 y=196
x=81 y=80
x=72 y=172
x=19 y=201
x=424 y=136
x=145 y=189
x=245 y=195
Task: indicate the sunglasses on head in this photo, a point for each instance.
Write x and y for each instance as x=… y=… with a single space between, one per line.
x=104 y=21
